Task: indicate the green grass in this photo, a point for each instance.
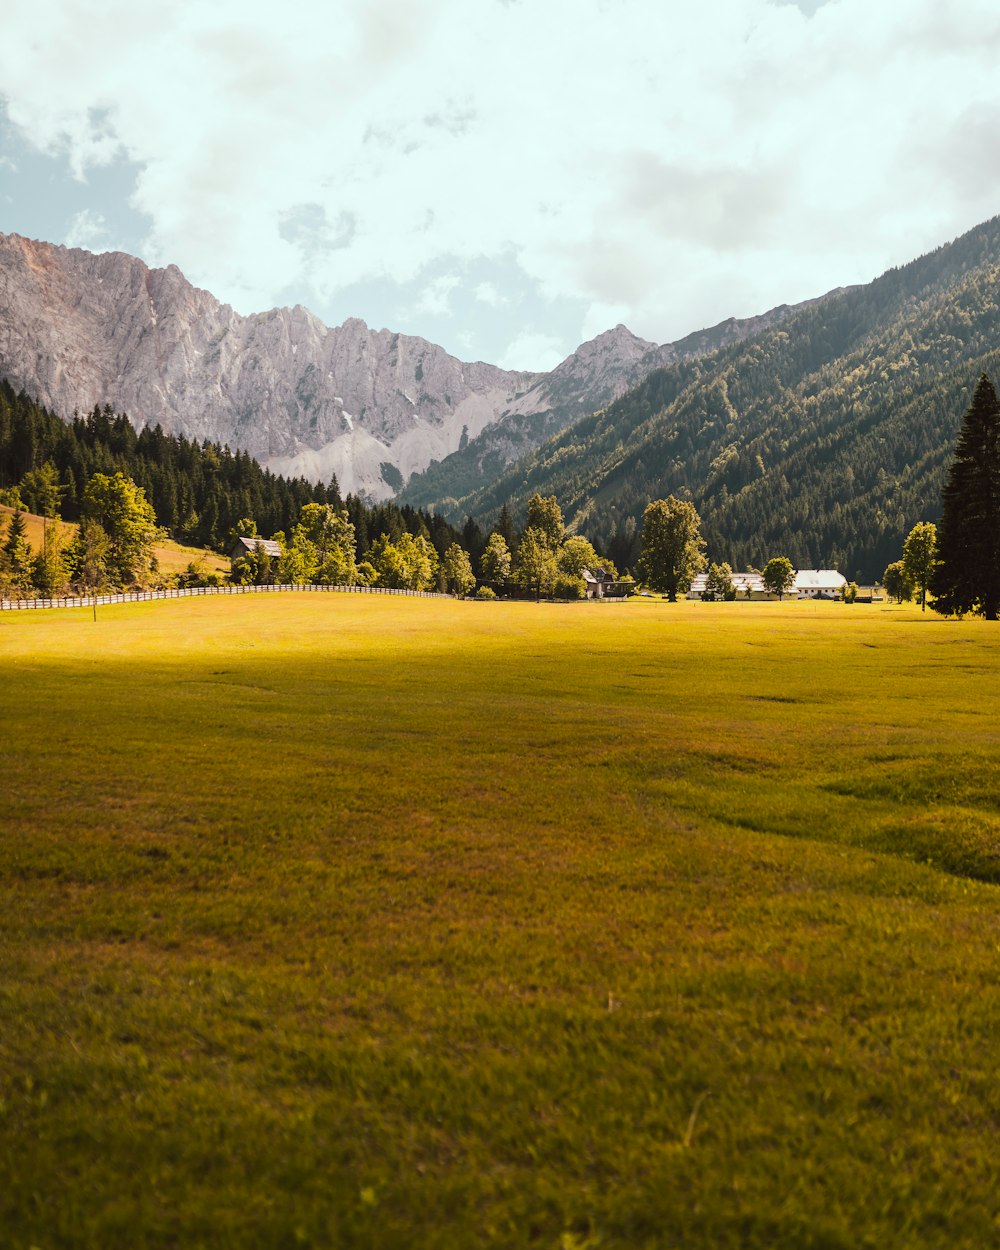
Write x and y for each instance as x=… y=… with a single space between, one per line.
x=381 y=922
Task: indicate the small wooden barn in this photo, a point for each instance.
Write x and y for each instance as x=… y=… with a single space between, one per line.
x=245 y=546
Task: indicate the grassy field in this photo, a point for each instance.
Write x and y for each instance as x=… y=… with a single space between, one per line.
x=381 y=922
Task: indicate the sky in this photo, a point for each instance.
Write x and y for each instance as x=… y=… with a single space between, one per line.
x=507 y=178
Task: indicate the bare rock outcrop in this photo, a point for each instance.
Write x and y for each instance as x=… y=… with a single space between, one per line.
x=371 y=406
x=378 y=409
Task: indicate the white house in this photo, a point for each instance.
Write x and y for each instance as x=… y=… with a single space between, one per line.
x=818 y=584
x=747 y=585
x=807 y=584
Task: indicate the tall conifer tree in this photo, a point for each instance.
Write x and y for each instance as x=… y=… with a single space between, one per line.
x=967 y=577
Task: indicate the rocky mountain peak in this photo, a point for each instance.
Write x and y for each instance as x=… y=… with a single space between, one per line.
x=78 y=329
x=372 y=406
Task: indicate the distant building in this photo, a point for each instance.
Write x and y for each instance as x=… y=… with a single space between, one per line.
x=807 y=584
x=746 y=585
x=595 y=580
x=818 y=584
x=244 y=545
x=601 y=584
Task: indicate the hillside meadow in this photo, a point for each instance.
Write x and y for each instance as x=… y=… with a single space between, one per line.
x=171 y=557
x=364 y=921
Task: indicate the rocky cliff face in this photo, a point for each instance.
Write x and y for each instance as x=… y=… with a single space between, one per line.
x=377 y=409
x=371 y=406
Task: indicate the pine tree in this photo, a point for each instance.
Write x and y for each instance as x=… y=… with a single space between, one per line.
x=17 y=553
x=505 y=526
x=967 y=577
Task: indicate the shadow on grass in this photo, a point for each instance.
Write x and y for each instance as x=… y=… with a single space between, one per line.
x=955 y=840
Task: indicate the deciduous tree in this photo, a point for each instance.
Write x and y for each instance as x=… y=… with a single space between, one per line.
x=672 y=546
x=255 y=568
x=496 y=560
x=410 y=563
x=897 y=585
x=325 y=539
x=457 y=570
x=536 y=566
x=919 y=557
x=778 y=576
x=719 y=583
x=121 y=508
x=576 y=554
x=294 y=567
x=545 y=516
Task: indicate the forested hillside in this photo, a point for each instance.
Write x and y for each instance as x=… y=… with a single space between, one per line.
x=199 y=491
x=824 y=439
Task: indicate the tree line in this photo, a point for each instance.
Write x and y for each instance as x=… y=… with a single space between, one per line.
x=540 y=559
x=113 y=548
x=199 y=493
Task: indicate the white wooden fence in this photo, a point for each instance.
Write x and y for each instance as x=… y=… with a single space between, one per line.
x=141 y=596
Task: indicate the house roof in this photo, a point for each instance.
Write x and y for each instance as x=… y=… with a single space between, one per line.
x=742 y=581
x=804 y=582
x=243 y=544
x=819 y=579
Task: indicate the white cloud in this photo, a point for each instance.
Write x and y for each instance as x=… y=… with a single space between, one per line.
x=87 y=229
x=487 y=293
x=434 y=299
x=533 y=351
x=664 y=165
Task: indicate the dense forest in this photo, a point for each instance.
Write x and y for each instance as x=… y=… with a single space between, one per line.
x=199 y=491
x=826 y=438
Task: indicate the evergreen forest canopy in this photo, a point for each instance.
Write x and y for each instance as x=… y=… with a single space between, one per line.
x=200 y=492
x=825 y=438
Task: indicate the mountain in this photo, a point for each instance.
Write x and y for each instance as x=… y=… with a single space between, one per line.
x=819 y=431
x=824 y=438
x=373 y=407
x=78 y=329
x=595 y=374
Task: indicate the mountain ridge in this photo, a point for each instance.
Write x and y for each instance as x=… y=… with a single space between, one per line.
x=379 y=409
x=79 y=328
x=824 y=438
x=587 y=380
